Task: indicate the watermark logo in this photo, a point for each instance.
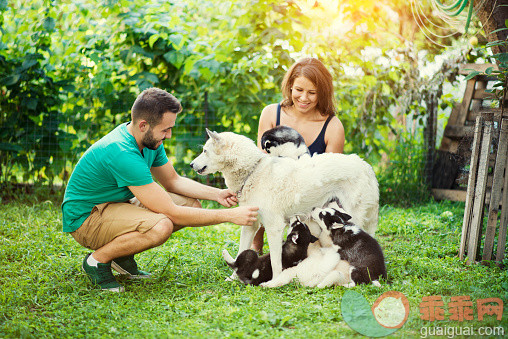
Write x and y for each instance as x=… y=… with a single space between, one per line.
x=460 y=308
x=389 y=313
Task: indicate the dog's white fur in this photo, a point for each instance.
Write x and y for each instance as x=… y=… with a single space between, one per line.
x=322 y=268
x=282 y=187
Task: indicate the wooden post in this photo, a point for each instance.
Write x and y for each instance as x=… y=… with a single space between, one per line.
x=501 y=240
x=471 y=185
x=430 y=136
x=496 y=190
x=479 y=196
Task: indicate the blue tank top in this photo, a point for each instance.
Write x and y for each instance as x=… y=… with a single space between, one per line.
x=319 y=145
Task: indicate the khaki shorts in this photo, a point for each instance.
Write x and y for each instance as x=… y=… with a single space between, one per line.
x=112 y=219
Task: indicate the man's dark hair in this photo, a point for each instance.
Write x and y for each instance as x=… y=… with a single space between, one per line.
x=152 y=104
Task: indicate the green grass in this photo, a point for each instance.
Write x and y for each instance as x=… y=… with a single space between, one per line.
x=43 y=292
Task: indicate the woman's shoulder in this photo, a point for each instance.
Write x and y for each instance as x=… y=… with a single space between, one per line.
x=335 y=124
x=269 y=112
x=335 y=135
x=272 y=108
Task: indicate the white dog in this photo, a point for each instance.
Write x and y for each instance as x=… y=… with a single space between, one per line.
x=283 y=187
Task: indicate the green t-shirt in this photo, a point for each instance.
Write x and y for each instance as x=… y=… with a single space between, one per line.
x=104 y=172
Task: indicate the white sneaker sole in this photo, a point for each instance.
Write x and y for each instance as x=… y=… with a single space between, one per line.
x=120 y=270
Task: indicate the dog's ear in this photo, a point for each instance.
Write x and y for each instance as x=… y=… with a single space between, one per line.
x=343 y=214
x=213 y=135
x=313 y=239
x=267 y=145
x=322 y=215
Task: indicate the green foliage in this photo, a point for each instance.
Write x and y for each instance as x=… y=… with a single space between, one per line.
x=500 y=88
x=45 y=294
x=70 y=71
x=402 y=179
x=30 y=104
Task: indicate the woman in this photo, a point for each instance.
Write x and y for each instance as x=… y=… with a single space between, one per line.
x=308 y=107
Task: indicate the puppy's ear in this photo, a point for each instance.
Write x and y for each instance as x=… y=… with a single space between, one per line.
x=313 y=239
x=213 y=135
x=343 y=214
x=267 y=145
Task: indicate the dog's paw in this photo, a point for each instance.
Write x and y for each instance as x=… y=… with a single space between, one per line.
x=349 y=285
x=134 y=201
x=376 y=283
x=270 y=284
x=232 y=277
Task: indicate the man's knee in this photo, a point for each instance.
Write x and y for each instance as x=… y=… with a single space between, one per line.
x=162 y=231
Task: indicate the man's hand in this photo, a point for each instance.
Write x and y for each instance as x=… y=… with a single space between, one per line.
x=244 y=215
x=227 y=198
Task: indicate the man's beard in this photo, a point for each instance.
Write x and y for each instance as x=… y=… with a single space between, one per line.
x=149 y=141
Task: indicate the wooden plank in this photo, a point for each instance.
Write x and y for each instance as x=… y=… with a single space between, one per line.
x=495 y=195
x=482 y=95
x=476 y=104
x=466 y=102
x=501 y=239
x=458 y=131
x=465 y=69
x=454 y=115
x=479 y=195
x=446 y=194
x=494 y=110
x=470 y=186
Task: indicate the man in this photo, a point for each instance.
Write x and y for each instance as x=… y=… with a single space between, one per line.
x=123 y=165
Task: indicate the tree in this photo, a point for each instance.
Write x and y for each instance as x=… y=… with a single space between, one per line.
x=493 y=15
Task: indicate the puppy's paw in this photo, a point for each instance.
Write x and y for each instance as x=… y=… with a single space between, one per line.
x=232 y=277
x=134 y=201
x=376 y=283
x=269 y=284
x=351 y=284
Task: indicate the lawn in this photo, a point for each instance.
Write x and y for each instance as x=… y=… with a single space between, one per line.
x=44 y=293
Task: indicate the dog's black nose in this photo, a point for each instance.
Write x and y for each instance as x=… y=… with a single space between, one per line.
x=191 y=165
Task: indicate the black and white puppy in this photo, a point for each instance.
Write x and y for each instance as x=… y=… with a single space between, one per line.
x=353 y=244
x=284 y=141
x=252 y=269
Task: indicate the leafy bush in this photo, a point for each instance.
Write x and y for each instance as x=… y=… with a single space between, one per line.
x=69 y=73
x=402 y=179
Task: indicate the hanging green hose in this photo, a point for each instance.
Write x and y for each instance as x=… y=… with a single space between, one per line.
x=459 y=3
x=446 y=9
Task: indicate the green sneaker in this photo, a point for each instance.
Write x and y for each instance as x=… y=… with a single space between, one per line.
x=102 y=276
x=127 y=266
